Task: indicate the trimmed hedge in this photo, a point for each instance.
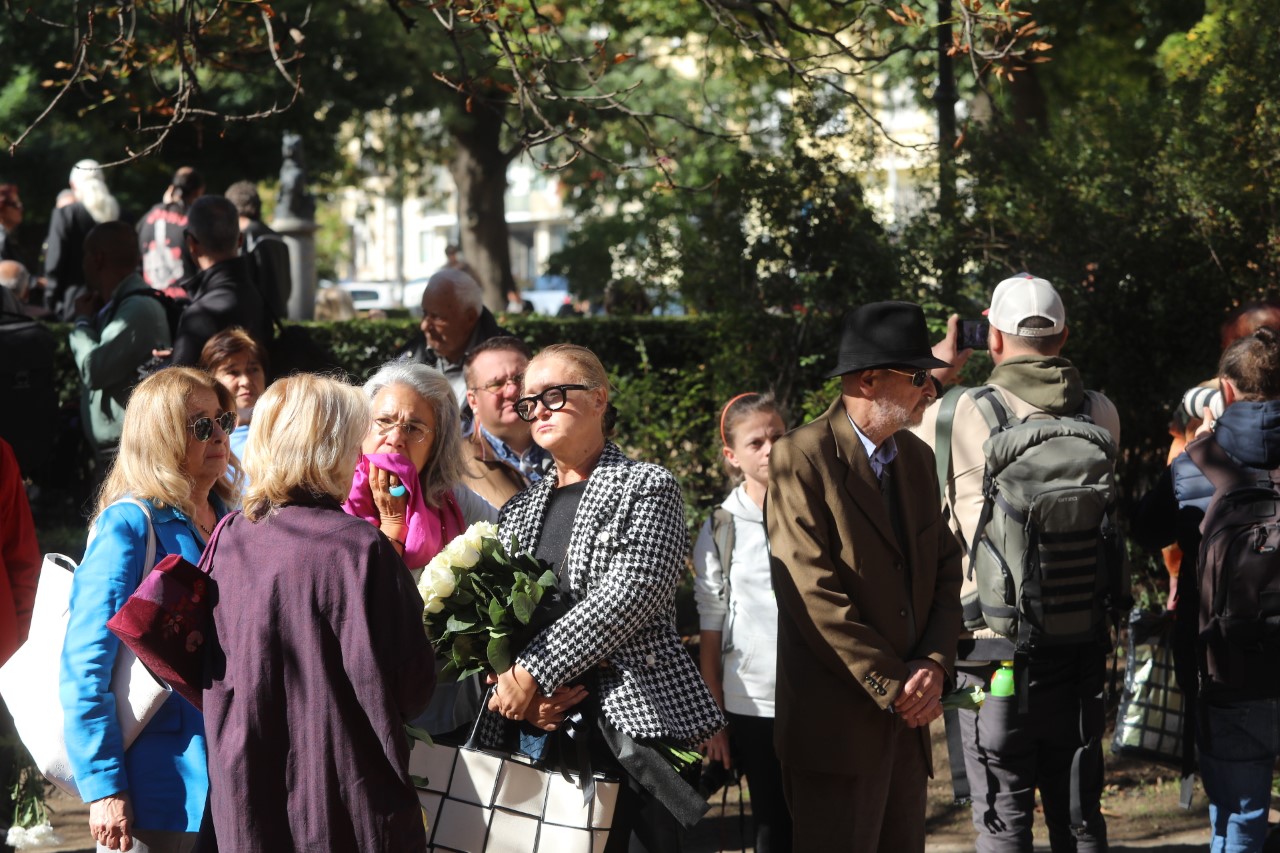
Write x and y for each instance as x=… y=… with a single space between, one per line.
x=671 y=375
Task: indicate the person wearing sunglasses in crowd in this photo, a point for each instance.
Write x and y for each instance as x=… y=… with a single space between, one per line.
x=867 y=578
x=409 y=484
x=173 y=458
x=502 y=457
x=614 y=531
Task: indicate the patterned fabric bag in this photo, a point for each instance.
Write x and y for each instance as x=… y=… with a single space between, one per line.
x=165 y=621
x=480 y=801
x=1150 y=720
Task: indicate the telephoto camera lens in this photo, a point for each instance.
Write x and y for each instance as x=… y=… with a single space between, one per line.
x=1195 y=401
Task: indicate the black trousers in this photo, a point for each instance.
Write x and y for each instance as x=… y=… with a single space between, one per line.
x=1009 y=755
x=751 y=740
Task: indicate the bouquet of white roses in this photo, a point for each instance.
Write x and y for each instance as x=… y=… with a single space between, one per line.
x=482 y=601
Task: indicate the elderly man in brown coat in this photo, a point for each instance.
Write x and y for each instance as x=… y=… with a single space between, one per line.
x=867 y=577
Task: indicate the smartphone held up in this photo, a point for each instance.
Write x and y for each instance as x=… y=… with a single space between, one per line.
x=973 y=334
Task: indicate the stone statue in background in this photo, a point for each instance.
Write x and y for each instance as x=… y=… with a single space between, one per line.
x=295 y=202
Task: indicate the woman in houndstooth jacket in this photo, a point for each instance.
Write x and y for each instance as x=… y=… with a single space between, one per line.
x=614 y=530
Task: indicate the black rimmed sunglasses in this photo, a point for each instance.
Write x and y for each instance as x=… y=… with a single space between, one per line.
x=203 y=427
x=553 y=398
x=918 y=377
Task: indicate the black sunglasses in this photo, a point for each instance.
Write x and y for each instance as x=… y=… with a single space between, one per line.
x=203 y=427
x=918 y=377
x=553 y=398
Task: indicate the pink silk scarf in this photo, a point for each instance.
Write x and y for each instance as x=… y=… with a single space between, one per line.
x=429 y=529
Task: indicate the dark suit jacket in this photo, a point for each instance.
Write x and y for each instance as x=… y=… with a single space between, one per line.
x=844 y=606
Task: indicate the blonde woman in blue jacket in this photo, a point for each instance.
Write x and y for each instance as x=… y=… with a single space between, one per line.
x=173 y=459
x=738 y=615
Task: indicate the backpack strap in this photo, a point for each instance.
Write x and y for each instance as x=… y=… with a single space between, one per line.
x=996 y=414
x=1222 y=472
x=722 y=534
x=150 y=560
x=942 y=437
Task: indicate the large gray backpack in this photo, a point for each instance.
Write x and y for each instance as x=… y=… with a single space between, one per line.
x=1046 y=551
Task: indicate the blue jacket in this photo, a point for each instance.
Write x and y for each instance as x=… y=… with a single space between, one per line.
x=165 y=771
x=1249 y=432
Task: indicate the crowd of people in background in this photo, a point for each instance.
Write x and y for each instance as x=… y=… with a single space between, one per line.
x=835 y=584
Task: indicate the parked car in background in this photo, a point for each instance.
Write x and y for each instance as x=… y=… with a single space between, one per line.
x=412 y=297
x=376 y=295
x=548 y=293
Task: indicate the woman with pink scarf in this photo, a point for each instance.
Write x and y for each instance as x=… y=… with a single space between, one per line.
x=408 y=485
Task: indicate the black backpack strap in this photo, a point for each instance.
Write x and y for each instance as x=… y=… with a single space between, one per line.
x=955 y=754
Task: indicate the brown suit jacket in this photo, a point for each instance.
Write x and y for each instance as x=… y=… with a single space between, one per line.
x=487 y=475
x=844 y=605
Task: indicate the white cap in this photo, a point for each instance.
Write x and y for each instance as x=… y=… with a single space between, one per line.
x=1022 y=297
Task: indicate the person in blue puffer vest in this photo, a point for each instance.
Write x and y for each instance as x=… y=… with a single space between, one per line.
x=1238 y=731
x=173 y=457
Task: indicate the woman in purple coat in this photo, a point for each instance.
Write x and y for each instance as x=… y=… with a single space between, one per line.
x=318 y=654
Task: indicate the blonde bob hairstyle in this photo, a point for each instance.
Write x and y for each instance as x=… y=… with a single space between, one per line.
x=304 y=443
x=153 y=443
x=584 y=368
x=446 y=466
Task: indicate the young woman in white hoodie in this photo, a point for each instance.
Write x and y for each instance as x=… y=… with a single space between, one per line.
x=738 y=615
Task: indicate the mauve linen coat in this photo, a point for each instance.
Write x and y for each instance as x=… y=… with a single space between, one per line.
x=317 y=659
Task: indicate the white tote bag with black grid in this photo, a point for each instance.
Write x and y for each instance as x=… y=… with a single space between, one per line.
x=478 y=801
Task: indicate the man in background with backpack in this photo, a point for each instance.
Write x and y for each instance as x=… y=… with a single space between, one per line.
x=166 y=263
x=1033 y=739
x=118 y=322
x=1234 y=466
x=266 y=250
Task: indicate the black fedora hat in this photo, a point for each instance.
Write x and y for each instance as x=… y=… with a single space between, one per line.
x=884 y=334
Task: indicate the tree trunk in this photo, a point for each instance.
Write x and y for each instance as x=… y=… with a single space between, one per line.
x=945 y=97
x=479 y=169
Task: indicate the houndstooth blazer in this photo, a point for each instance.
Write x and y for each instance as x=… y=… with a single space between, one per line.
x=624 y=560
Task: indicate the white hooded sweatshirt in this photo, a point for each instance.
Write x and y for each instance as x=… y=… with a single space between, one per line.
x=746 y=612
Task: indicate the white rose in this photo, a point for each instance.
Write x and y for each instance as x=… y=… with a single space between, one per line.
x=442 y=581
x=467 y=556
x=487 y=529
x=435 y=605
x=473 y=538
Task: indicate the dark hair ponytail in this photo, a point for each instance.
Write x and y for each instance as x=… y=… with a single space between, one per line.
x=1253 y=365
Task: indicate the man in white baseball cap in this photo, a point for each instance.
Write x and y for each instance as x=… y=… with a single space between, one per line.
x=1021 y=305
x=1013 y=746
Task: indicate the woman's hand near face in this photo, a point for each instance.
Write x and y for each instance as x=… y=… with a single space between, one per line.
x=391 y=509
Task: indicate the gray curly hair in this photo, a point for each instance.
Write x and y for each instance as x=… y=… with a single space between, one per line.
x=446 y=466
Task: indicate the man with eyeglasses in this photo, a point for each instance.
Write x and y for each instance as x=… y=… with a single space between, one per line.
x=503 y=458
x=867 y=579
x=1009 y=753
